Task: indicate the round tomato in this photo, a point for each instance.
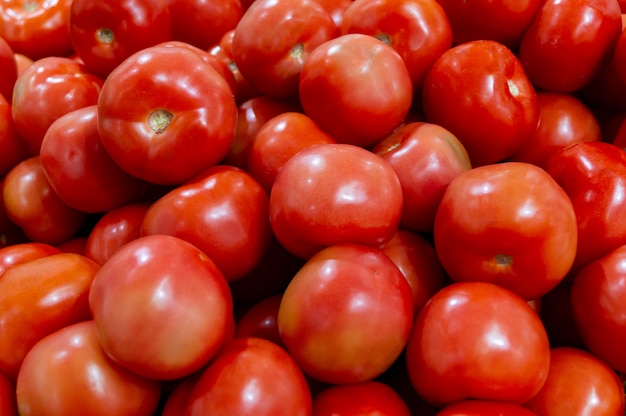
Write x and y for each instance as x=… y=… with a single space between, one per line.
x=261 y=321
x=8 y=401
x=8 y=70
x=16 y=254
x=368 y=397
x=14 y=148
x=484 y=408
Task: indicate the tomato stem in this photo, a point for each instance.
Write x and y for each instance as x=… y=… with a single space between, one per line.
x=384 y=37
x=105 y=35
x=159 y=120
x=296 y=51
x=503 y=260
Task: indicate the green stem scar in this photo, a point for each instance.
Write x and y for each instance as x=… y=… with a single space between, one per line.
x=105 y=35
x=159 y=120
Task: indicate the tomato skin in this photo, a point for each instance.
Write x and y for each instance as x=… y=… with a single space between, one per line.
x=484 y=408
x=8 y=70
x=16 y=254
x=567 y=41
x=261 y=321
x=593 y=174
x=8 y=401
x=477 y=340
x=589 y=383
x=340 y=80
x=346 y=315
x=40 y=297
x=57 y=378
x=528 y=241
x=368 y=397
x=361 y=200
x=161 y=130
x=224 y=386
x=14 y=148
x=184 y=308
x=480 y=92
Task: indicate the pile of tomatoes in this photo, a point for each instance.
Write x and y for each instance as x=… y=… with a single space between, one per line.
x=312 y=207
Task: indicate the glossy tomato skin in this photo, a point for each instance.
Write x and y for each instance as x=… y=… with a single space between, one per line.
x=597 y=307
x=183 y=307
x=477 y=340
x=567 y=41
x=527 y=242
x=272 y=59
x=480 y=92
x=368 y=397
x=158 y=128
x=8 y=401
x=484 y=408
x=334 y=193
x=590 y=385
x=16 y=254
x=40 y=297
x=261 y=321
x=103 y=34
x=346 y=315
x=356 y=88
x=8 y=70
x=60 y=372
x=593 y=174
x=224 y=386
x=14 y=148
x=426 y=157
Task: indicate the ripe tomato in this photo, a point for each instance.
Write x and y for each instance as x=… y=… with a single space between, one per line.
x=334 y=193
x=484 y=408
x=590 y=385
x=40 y=297
x=527 y=241
x=477 y=340
x=261 y=321
x=346 y=316
x=67 y=373
x=14 y=148
x=160 y=129
x=242 y=379
x=368 y=397
x=160 y=318
x=479 y=91
x=343 y=77
x=8 y=401
x=8 y=70
x=16 y=254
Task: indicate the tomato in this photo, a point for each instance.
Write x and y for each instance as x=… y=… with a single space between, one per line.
x=563 y=120
x=32 y=204
x=16 y=254
x=242 y=380
x=599 y=313
x=346 y=315
x=334 y=193
x=8 y=401
x=273 y=40
x=68 y=373
x=501 y=21
x=418 y=30
x=343 y=77
x=589 y=384
x=479 y=91
x=14 y=148
x=80 y=170
x=160 y=318
x=8 y=70
x=335 y=8
x=593 y=174
x=526 y=243
x=36 y=28
x=426 y=157
x=176 y=402
x=477 y=340
x=484 y=408
x=567 y=41
x=162 y=130
x=103 y=34
x=261 y=321
x=40 y=297
x=368 y=397
x=278 y=140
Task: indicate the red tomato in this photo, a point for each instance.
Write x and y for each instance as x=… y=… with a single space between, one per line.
x=223 y=212
x=49 y=88
x=176 y=402
x=599 y=311
x=335 y=8
x=162 y=308
x=67 y=373
x=334 y=193
x=593 y=174
x=36 y=29
x=8 y=401
x=16 y=254
x=477 y=340
x=365 y=398
x=567 y=41
x=38 y=298
x=105 y=33
x=343 y=77
x=563 y=120
x=418 y=30
x=80 y=170
x=251 y=376
x=591 y=386
x=278 y=140
x=273 y=40
x=14 y=148
x=157 y=127
x=524 y=240
x=261 y=321
x=8 y=70
x=346 y=315
x=479 y=91
x=426 y=157
x=484 y=408
x=31 y=203
x=501 y=21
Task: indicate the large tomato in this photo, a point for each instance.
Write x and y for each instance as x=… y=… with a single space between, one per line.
x=16 y=254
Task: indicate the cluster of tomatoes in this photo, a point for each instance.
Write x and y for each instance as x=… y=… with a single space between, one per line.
x=312 y=207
